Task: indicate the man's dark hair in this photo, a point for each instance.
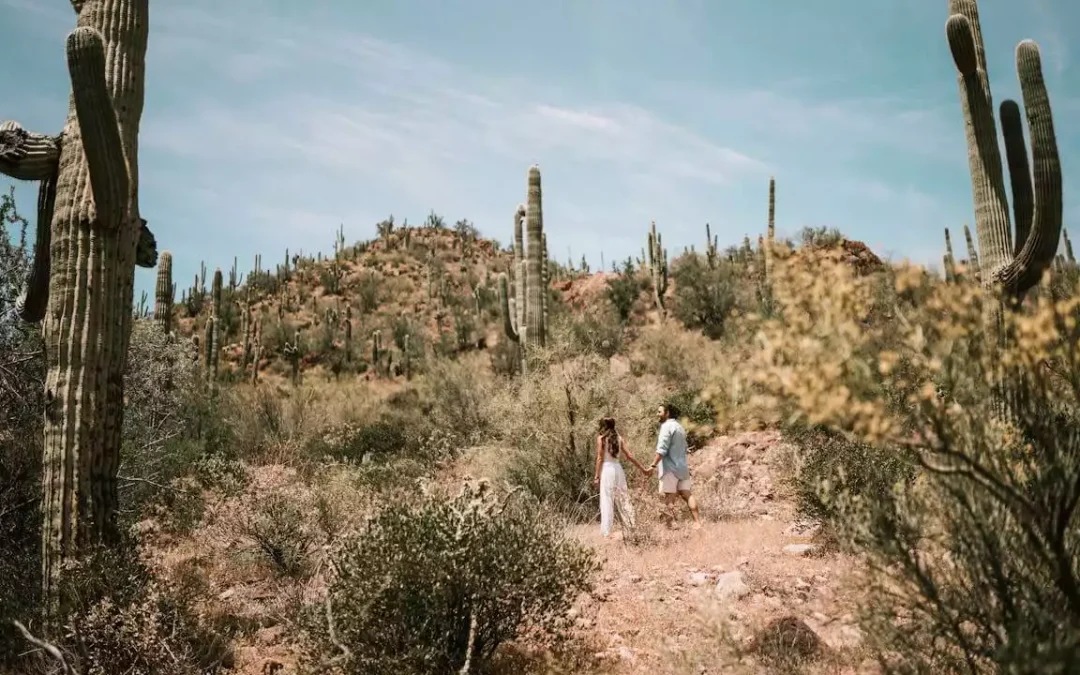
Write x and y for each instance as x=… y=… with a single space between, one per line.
x=672 y=410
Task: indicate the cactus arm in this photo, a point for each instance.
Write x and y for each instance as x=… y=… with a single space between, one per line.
x=26 y=155
x=1025 y=270
x=507 y=310
x=984 y=156
x=1016 y=158
x=34 y=299
x=109 y=177
x=519 y=267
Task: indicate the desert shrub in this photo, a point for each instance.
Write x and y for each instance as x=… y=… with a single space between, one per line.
x=272 y=424
x=369 y=292
x=118 y=618
x=624 y=289
x=705 y=295
x=597 y=330
x=22 y=388
x=431 y=586
x=971 y=565
x=828 y=461
x=163 y=412
x=278 y=529
x=353 y=442
x=820 y=237
x=454 y=398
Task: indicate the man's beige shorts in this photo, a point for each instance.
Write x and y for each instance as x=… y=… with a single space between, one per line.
x=670 y=484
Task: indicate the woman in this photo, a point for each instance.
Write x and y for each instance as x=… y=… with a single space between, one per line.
x=611 y=478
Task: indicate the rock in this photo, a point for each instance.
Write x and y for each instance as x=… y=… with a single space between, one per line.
x=800 y=550
x=730 y=586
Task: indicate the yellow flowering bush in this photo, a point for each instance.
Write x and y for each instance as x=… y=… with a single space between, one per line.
x=973 y=553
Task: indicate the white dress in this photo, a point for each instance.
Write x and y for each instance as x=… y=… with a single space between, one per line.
x=614 y=495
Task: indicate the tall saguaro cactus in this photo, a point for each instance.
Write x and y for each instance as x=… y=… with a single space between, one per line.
x=163 y=293
x=525 y=315
x=658 y=267
x=1037 y=209
x=87 y=270
x=535 y=327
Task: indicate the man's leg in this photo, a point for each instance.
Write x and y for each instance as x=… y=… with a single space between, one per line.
x=691 y=503
x=668 y=490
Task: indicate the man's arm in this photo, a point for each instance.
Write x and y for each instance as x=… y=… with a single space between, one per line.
x=663 y=444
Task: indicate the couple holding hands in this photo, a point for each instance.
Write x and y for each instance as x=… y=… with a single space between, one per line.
x=674 y=473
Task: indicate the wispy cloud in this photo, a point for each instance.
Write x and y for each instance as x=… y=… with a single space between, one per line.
x=270 y=128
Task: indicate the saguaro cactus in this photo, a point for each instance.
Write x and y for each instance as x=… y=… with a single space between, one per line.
x=658 y=267
x=524 y=315
x=535 y=327
x=1037 y=212
x=770 y=232
x=163 y=293
x=948 y=260
x=97 y=238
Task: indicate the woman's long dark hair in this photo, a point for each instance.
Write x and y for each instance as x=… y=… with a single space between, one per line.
x=609 y=436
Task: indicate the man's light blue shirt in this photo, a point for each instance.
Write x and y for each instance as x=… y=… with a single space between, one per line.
x=671 y=446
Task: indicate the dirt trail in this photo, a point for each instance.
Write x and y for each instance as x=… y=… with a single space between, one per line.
x=664 y=593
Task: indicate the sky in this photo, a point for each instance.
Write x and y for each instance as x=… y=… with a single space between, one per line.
x=270 y=123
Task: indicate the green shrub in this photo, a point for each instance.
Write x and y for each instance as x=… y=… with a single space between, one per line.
x=705 y=296
x=828 y=463
x=429 y=586
x=593 y=331
x=624 y=288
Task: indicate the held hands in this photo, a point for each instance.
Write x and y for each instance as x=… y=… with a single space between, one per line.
x=649 y=470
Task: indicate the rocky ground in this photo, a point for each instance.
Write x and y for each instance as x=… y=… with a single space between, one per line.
x=668 y=600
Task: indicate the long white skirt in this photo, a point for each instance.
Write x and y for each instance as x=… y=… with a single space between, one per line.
x=614 y=498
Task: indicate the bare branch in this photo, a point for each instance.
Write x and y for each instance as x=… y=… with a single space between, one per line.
x=49 y=649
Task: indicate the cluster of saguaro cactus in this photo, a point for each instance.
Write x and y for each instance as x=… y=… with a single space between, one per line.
x=88 y=221
x=525 y=315
x=658 y=267
x=1037 y=207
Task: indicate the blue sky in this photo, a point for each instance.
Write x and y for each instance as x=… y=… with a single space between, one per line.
x=269 y=123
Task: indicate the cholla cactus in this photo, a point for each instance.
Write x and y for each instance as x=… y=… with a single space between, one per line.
x=1037 y=210
x=164 y=291
x=91 y=169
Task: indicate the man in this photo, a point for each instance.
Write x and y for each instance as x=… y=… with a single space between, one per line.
x=671 y=454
